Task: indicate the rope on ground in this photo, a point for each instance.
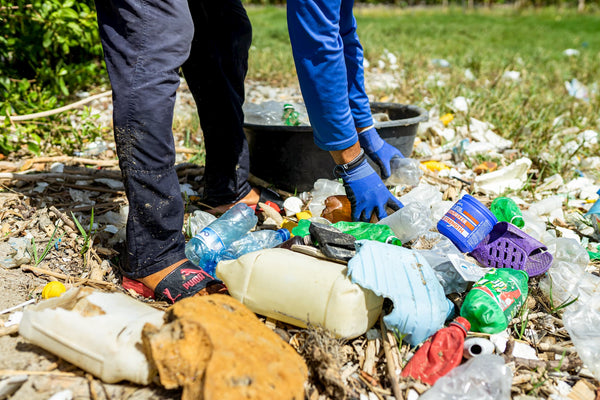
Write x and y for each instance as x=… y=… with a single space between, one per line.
x=27 y=117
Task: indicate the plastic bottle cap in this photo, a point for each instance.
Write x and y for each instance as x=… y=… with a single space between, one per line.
x=285 y=234
x=53 y=289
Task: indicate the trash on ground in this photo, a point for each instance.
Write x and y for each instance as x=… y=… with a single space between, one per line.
x=299 y=289
x=98 y=332
x=405 y=277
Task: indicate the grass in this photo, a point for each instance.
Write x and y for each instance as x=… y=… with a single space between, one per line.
x=488 y=43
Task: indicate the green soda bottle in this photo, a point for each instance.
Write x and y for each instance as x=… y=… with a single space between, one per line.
x=505 y=209
x=290 y=116
x=360 y=230
x=495 y=299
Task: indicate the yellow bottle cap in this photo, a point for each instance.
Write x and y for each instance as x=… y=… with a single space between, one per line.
x=53 y=289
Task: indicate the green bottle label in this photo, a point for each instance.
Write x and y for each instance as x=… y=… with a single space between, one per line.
x=505 y=292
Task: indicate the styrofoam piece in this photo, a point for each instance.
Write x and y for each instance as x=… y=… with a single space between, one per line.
x=96 y=331
x=405 y=277
x=513 y=176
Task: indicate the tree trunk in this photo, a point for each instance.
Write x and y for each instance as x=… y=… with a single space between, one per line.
x=581 y=5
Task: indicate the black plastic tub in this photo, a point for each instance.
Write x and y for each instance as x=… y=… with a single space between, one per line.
x=287 y=156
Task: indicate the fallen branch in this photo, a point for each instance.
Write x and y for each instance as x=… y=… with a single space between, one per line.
x=556 y=348
x=24 y=372
x=564 y=364
x=18 y=231
x=9 y=330
x=256 y=181
x=48 y=113
x=64 y=218
x=390 y=360
x=82 y=281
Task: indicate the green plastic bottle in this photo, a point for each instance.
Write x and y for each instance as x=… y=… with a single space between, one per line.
x=360 y=230
x=495 y=299
x=505 y=209
x=366 y=230
x=290 y=116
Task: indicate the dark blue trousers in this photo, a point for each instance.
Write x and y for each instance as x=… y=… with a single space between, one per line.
x=145 y=43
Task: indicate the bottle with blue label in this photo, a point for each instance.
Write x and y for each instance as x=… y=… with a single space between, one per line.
x=205 y=248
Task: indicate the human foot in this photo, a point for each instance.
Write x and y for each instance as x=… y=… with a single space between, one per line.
x=180 y=280
x=254 y=197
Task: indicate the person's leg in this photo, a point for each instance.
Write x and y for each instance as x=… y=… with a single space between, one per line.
x=144 y=45
x=319 y=57
x=215 y=72
x=353 y=56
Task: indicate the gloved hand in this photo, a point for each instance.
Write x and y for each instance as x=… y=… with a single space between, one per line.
x=365 y=190
x=378 y=150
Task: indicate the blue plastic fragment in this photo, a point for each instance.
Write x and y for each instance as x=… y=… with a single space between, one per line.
x=406 y=278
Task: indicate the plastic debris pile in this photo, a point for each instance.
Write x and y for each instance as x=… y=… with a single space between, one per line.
x=485 y=285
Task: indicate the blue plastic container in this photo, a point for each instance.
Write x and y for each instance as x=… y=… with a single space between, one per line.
x=467 y=223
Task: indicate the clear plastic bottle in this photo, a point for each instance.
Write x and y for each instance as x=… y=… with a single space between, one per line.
x=255 y=241
x=204 y=248
x=404 y=171
x=409 y=222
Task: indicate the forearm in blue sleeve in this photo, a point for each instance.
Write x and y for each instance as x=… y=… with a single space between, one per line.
x=318 y=49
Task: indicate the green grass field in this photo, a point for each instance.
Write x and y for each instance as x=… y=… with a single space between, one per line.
x=488 y=43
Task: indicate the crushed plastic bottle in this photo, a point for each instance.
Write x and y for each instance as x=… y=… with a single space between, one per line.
x=254 y=241
x=204 y=248
x=486 y=377
x=439 y=354
x=582 y=321
x=95 y=148
x=495 y=299
x=270 y=113
x=404 y=171
x=505 y=209
x=567 y=278
x=409 y=222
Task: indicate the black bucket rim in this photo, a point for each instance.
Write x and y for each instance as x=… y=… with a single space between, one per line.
x=422 y=116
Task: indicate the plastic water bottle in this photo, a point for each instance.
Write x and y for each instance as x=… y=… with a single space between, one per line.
x=495 y=299
x=505 y=209
x=404 y=171
x=204 y=248
x=255 y=241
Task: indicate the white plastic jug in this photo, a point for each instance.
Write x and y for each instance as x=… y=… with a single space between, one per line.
x=99 y=332
x=300 y=289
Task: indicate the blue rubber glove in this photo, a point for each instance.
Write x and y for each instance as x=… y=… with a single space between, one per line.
x=378 y=150
x=365 y=190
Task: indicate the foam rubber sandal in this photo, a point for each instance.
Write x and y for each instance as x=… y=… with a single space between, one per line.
x=507 y=246
x=184 y=281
